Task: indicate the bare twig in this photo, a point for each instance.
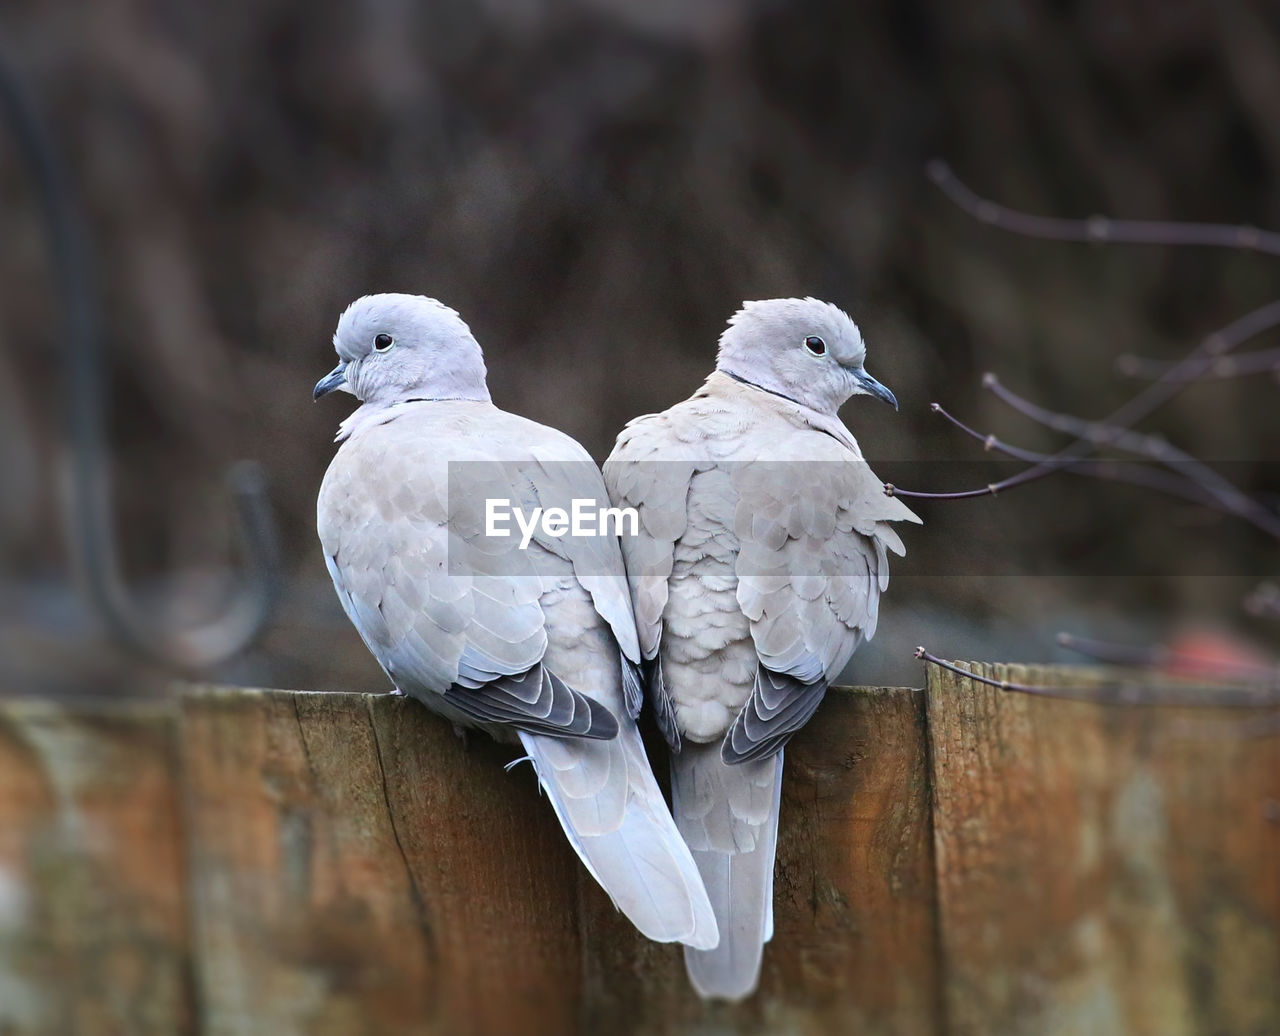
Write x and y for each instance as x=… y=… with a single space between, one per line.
x=1111 y=471
x=1262 y=361
x=1140 y=406
x=1220 y=492
x=1099 y=229
x=1192 y=479
x=1115 y=430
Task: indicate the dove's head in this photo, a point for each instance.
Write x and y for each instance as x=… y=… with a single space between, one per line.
x=804 y=349
x=393 y=348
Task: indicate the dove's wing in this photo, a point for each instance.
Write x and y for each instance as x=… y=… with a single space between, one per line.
x=536 y=641
x=460 y=627
x=814 y=536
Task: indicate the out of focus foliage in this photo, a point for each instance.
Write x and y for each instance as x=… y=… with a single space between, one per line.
x=596 y=185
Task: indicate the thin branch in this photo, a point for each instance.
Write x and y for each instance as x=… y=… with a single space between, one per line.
x=1198 y=482
x=1145 y=402
x=1127 y=692
x=1222 y=492
x=1107 y=470
x=1099 y=229
x=1263 y=361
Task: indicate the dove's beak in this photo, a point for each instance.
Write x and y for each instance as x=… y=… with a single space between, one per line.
x=335 y=379
x=871 y=387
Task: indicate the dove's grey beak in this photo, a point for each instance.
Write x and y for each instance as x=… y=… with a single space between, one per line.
x=871 y=387
x=335 y=379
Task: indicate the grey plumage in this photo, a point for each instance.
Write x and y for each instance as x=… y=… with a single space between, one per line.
x=762 y=554
x=536 y=701
x=533 y=645
x=778 y=707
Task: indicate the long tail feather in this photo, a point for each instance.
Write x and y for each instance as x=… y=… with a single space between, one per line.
x=614 y=816
x=728 y=815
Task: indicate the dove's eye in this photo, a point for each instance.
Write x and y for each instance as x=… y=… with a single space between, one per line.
x=815 y=345
x=383 y=342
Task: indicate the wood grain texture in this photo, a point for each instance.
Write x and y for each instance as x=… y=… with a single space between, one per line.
x=854 y=948
x=354 y=866
x=1102 y=870
x=278 y=862
x=356 y=869
x=93 y=935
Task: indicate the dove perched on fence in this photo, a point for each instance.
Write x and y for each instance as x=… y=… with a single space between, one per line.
x=535 y=643
x=757 y=571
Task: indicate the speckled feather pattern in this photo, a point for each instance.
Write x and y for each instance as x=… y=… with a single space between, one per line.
x=711 y=524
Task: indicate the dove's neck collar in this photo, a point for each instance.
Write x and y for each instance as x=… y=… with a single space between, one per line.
x=829 y=424
x=773 y=392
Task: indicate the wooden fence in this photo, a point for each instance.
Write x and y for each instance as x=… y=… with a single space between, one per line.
x=956 y=860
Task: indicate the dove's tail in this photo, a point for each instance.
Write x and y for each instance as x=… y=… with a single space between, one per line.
x=728 y=815
x=615 y=817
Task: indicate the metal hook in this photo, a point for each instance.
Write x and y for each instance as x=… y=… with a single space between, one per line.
x=90 y=525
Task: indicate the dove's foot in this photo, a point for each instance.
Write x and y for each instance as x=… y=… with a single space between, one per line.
x=461 y=732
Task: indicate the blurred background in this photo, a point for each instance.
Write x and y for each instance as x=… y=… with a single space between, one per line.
x=596 y=185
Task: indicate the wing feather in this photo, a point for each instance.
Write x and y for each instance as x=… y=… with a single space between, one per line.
x=449 y=612
x=778 y=707
x=537 y=701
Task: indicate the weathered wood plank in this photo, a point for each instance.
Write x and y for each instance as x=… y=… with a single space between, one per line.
x=354 y=866
x=1099 y=870
x=92 y=916
x=493 y=871
x=854 y=948
x=356 y=869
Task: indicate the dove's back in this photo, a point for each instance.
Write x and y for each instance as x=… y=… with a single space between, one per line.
x=461 y=629
x=757 y=573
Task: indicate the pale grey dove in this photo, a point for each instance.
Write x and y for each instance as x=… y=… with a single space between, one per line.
x=757 y=571
x=536 y=645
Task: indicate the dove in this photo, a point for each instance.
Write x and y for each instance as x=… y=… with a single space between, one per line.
x=535 y=645
x=756 y=572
